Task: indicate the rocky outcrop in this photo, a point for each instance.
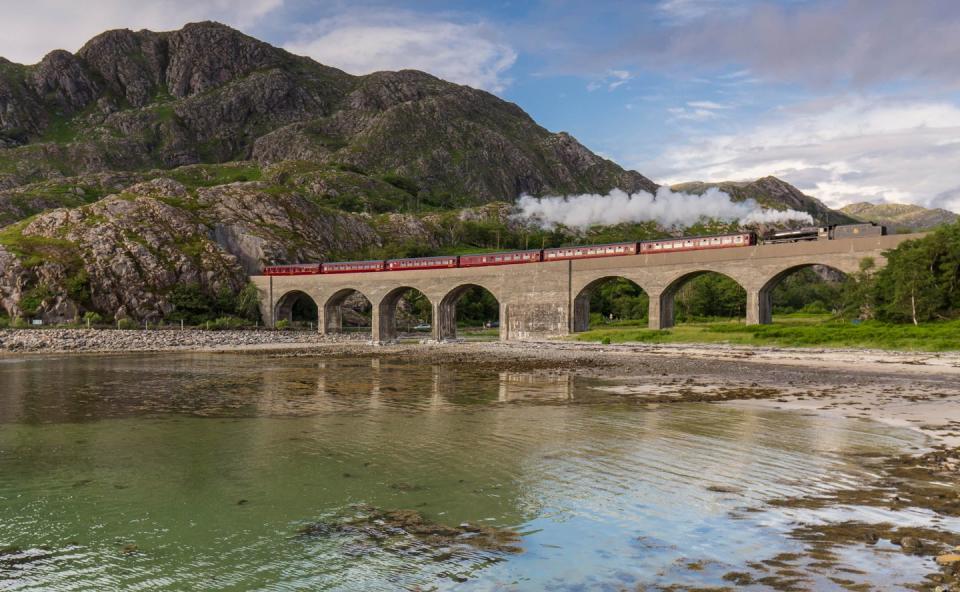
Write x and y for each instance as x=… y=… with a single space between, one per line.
x=121 y=256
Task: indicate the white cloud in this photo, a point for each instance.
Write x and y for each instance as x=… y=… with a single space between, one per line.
x=706 y=105
x=684 y=114
x=820 y=43
x=360 y=44
x=33 y=29
x=839 y=151
x=696 y=111
x=613 y=79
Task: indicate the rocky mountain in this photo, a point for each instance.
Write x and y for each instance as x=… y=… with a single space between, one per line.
x=773 y=193
x=129 y=101
x=902 y=217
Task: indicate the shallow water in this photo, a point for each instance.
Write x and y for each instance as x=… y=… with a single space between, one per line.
x=172 y=472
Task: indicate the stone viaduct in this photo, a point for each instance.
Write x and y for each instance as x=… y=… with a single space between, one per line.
x=540 y=300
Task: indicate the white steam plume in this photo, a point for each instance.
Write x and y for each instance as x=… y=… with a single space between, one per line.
x=667 y=208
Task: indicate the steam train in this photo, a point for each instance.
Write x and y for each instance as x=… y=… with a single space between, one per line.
x=648 y=247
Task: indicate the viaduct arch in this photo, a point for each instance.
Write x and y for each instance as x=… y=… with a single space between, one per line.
x=551 y=299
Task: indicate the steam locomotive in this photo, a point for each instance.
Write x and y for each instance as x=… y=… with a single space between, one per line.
x=649 y=247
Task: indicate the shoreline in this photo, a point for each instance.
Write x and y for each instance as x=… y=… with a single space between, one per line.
x=916 y=390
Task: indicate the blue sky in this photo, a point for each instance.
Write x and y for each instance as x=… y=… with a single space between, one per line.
x=850 y=100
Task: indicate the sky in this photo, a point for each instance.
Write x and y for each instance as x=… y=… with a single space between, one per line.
x=849 y=100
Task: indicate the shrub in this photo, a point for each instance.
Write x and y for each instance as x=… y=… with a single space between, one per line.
x=127 y=324
x=248 y=303
x=92 y=318
x=403 y=183
x=282 y=325
x=224 y=323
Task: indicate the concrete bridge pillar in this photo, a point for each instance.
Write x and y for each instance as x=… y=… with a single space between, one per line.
x=382 y=326
x=330 y=319
x=660 y=311
x=759 y=307
x=444 y=327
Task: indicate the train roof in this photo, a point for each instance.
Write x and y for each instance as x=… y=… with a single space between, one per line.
x=591 y=245
x=361 y=261
x=431 y=257
x=656 y=240
x=500 y=253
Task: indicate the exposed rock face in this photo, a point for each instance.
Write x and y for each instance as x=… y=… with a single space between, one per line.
x=906 y=217
x=207 y=93
x=121 y=255
x=124 y=254
x=772 y=192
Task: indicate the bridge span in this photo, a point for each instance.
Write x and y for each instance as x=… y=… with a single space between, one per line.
x=552 y=299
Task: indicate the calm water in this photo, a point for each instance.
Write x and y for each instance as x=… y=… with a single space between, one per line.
x=196 y=471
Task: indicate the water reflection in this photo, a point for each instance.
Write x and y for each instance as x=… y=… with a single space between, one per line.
x=209 y=465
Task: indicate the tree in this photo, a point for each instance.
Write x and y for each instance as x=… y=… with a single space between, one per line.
x=921 y=280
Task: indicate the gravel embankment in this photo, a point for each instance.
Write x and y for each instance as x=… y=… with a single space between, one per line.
x=112 y=340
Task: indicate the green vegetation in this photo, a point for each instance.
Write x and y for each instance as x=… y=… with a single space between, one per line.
x=34 y=250
x=194 y=306
x=792 y=331
x=127 y=324
x=477 y=307
x=921 y=281
x=209 y=175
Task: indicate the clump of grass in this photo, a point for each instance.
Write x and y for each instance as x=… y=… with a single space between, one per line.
x=800 y=332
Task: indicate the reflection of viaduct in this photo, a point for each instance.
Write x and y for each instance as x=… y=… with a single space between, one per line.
x=552 y=299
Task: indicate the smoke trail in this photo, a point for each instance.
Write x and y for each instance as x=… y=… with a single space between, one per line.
x=667 y=208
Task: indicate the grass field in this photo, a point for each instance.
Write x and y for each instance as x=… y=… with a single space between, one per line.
x=789 y=331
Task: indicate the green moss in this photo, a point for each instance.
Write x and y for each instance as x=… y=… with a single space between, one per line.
x=193 y=247
x=35 y=250
x=209 y=175
x=61 y=129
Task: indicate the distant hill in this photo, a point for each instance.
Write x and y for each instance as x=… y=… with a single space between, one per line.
x=773 y=193
x=900 y=216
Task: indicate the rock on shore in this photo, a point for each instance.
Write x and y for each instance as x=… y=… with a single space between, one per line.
x=111 y=340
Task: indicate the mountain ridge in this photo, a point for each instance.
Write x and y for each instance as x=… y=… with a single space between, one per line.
x=900 y=216
x=771 y=192
x=207 y=93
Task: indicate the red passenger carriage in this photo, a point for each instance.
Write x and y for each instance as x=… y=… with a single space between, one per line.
x=509 y=258
x=422 y=263
x=352 y=266
x=696 y=243
x=296 y=269
x=590 y=251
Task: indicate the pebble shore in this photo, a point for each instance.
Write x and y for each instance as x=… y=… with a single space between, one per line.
x=115 y=340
